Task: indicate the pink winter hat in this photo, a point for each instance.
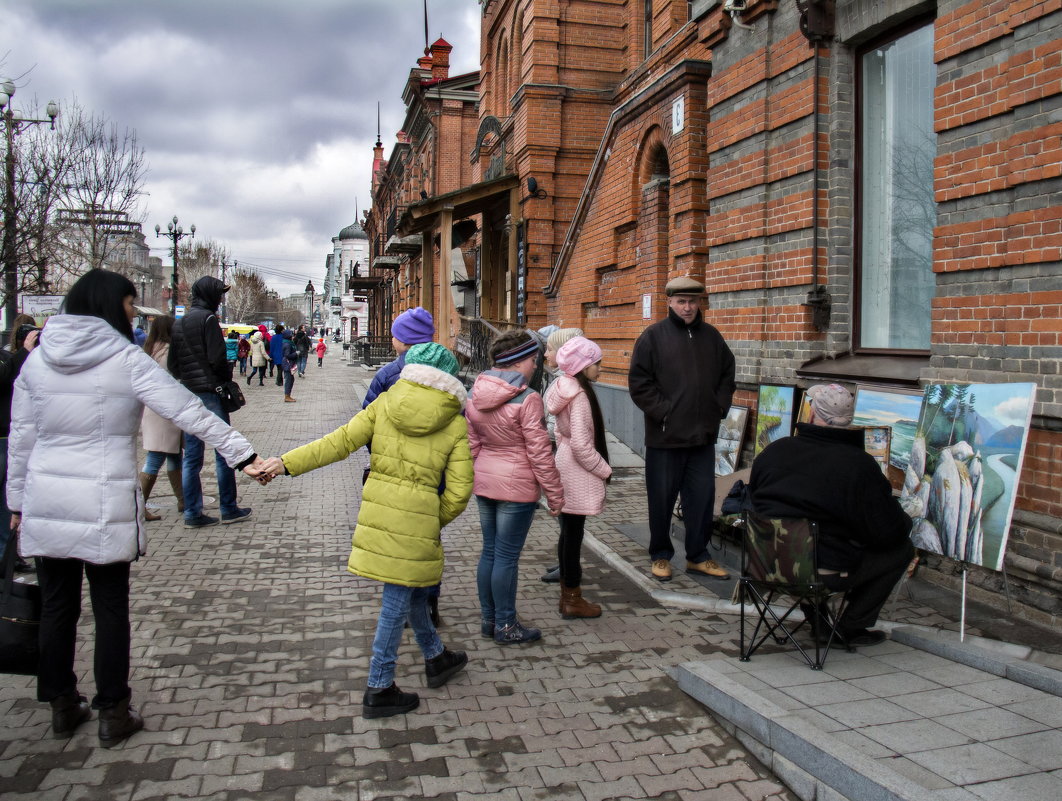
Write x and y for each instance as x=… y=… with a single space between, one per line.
x=577 y=354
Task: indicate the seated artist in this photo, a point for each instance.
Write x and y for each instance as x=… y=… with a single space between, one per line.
x=824 y=474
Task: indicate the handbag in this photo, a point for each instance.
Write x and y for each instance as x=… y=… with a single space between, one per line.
x=20 y=620
x=231 y=396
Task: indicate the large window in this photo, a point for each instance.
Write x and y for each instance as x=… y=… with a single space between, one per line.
x=896 y=209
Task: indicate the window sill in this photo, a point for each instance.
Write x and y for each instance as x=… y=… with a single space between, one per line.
x=865 y=368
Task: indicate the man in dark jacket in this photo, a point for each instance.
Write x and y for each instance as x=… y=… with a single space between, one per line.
x=825 y=475
x=682 y=378
x=199 y=361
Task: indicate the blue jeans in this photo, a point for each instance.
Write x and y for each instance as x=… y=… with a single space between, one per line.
x=193 y=463
x=302 y=362
x=398 y=604
x=154 y=459
x=505 y=525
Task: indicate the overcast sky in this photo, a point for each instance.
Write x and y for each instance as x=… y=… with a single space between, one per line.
x=257 y=117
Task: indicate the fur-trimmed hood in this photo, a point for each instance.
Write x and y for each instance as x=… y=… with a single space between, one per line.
x=424 y=400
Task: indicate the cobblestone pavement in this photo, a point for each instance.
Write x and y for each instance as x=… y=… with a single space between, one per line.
x=251 y=646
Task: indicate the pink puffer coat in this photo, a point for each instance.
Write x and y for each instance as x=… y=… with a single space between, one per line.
x=582 y=469
x=511 y=451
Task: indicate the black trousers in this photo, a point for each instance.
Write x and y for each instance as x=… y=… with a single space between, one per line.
x=60 y=582
x=690 y=472
x=869 y=585
x=569 y=549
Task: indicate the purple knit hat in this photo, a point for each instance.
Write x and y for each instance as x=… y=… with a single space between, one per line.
x=577 y=354
x=413 y=326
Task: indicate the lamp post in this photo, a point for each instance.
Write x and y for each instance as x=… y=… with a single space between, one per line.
x=309 y=303
x=13 y=125
x=176 y=233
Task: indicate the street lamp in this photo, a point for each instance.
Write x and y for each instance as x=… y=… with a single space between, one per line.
x=13 y=125
x=176 y=233
x=309 y=299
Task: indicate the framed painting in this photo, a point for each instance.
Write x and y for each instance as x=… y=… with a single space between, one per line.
x=896 y=408
x=962 y=478
x=774 y=414
x=730 y=440
x=876 y=442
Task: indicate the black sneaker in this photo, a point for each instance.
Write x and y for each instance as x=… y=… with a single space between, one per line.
x=203 y=521
x=444 y=666
x=516 y=632
x=386 y=702
x=235 y=517
x=486 y=629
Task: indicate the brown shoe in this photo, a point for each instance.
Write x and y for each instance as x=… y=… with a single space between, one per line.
x=661 y=570
x=708 y=568
x=289 y=399
x=573 y=605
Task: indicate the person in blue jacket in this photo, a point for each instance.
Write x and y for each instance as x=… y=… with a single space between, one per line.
x=276 y=353
x=411 y=327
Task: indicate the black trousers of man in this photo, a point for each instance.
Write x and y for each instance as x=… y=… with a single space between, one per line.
x=869 y=585
x=690 y=472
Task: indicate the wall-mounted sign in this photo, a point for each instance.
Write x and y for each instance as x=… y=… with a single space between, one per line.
x=678 y=114
x=647 y=306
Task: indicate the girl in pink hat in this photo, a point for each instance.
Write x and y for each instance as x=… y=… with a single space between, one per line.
x=582 y=460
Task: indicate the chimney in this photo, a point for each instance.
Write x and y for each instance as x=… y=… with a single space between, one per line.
x=440 y=59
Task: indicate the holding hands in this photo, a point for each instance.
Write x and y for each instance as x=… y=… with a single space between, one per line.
x=265 y=470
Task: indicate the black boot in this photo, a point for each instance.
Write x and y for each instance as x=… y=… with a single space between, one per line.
x=68 y=712
x=443 y=667
x=118 y=722
x=384 y=702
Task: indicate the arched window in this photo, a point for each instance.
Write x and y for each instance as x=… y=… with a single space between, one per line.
x=501 y=78
x=517 y=77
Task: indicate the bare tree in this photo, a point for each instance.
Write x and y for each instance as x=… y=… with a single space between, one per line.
x=245 y=298
x=197 y=259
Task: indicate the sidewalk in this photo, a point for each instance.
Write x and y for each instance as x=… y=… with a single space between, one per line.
x=251 y=646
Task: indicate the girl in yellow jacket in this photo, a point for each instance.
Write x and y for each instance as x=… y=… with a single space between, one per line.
x=419 y=438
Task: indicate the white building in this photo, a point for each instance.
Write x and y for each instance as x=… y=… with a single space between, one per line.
x=346 y=310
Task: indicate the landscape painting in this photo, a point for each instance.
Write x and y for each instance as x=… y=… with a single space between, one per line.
x=774 y=415
x=896 y=409
x=876 y=443
x=731 y=437
x=965 y=460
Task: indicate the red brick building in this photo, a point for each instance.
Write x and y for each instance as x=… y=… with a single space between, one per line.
x=871 y=190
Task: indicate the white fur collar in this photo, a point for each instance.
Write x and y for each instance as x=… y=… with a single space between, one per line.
x=435 y=378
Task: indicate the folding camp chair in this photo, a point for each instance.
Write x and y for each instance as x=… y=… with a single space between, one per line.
x=778 y=564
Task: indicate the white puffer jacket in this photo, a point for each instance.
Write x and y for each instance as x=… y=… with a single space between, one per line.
x=72 y=468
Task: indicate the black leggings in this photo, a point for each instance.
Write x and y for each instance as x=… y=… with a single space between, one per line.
x=569 y=548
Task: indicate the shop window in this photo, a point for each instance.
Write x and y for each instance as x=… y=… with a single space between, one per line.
x=896 y=210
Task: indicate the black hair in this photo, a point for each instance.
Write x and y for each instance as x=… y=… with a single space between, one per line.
x=234 y=334
x=20 y=320
x=101 y=293
x=600 y=445
x=161 y=332
x=507 y=341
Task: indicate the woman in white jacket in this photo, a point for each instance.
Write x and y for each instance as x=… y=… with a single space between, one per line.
x=72 y=485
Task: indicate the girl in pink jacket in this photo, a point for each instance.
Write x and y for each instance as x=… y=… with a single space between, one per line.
x=513 y=463
x=582 y=460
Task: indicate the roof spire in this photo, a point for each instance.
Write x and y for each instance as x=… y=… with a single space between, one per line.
x=427 y=50
x=379 y=143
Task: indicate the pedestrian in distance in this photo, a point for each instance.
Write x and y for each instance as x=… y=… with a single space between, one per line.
x=302 y=345
x=420 y=440
x=322 y=349
x=682 y=378
x=161 y=438
x=259 y=358
x=276 y=353
x=289 y=363
x=243 y=350
x=198 y=360
x=232 y=348
x=73 y=490
x=582 y=461
x=513 y=466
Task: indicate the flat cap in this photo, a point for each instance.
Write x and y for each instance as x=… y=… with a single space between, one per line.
x=683 y=285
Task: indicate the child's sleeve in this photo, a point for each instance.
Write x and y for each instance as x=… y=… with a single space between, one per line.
x=332 y=447
x=459 y=475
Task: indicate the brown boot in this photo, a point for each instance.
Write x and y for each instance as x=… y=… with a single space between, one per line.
x=178 y=487
x=289 y=399
x=147 y=481
x=573 y=604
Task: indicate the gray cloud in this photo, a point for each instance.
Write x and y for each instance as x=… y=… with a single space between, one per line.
x=257 y=117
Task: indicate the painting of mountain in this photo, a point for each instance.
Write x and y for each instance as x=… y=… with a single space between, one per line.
x=962 y=475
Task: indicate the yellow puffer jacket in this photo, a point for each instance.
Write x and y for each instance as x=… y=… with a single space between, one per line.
x=419 y=437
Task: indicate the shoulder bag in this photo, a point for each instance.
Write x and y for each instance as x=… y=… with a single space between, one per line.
x=20 y=619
